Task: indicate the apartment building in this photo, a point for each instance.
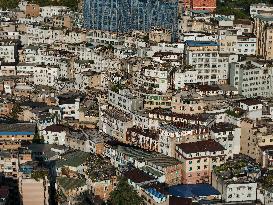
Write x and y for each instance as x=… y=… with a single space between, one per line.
x=233 y=40
x=12 y=135
x=32 y=10
x=143 y=138
x=9 y=164
x=71 y=189
x=264 y=32
x=54 y=134
x=258 y=143
x=9 y=51
x=252 y=78
x=69 y=104
x=203 y=56
x=33 y=184
x=160 y=35
x=101 y=178
x=5 y=108
x=124 y=100
x=176 y=133
x=239 y=188
x=153 y=77
x=199 y=158
x=50 y=11
x=184 y=103
x=256 y=9
x=154 y=100
x=87 y=141
x=246 y=44
x=115 y=123
x=185 y=76
x=228 y=135
x=46 y=75
x=104 y=37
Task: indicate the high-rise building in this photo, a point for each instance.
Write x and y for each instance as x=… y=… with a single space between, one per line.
x=129 y=15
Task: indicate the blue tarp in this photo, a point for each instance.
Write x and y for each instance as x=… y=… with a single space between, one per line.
x=193 y=190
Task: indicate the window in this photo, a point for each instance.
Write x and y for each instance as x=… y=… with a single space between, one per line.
x=190 y=162
x=190 y=169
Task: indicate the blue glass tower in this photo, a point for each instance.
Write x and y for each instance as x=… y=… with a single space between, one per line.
x=127 y=15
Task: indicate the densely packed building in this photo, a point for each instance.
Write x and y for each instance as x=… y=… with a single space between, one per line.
x=167 y=94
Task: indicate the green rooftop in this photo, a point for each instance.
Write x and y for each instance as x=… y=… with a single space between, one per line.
x=73 y=159
x=70 y=183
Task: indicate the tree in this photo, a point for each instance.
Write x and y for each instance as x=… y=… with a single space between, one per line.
x=37 y=139
x=16 y=110
x=124 y=194
x=8 y=4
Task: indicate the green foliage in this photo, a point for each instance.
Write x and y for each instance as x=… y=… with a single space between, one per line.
x=16 y=110
x=124 y=194
x=268 y=182
x=116 y=87
x=239 y=8
x=37 y=139
x=8 y=4
x=37 y=175
x=232 y=113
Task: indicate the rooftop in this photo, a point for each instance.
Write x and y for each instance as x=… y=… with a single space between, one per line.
x=193 y=190
x=70 y=183
x=251 y=101
x=151 y=158
x=100 y=169
x=138 y=176
x=17 y=129
x=201 y=146
x=241 y=169
x=201 y=43
x=73 y=159
x=223 y=127
x=55 y=128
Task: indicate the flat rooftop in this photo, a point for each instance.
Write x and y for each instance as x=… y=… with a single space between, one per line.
x=17 y=129
x=193 y=190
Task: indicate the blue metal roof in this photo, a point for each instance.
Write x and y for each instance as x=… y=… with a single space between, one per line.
x=193 y=190
x=201 y=43
x=15 y=133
